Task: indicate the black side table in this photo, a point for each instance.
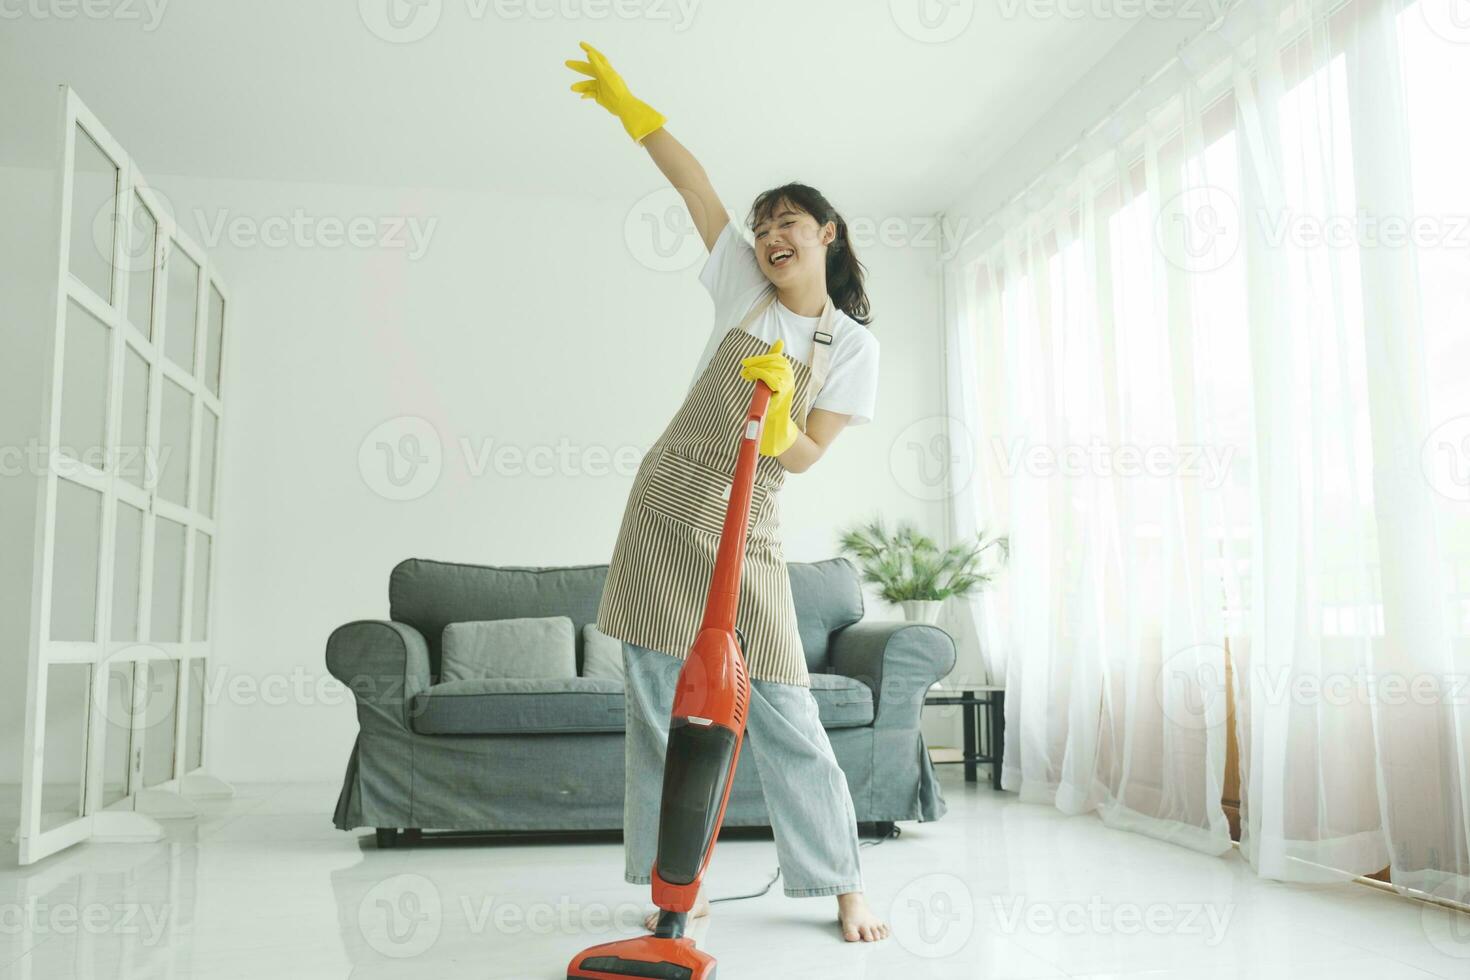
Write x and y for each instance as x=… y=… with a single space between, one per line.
x=985 y=739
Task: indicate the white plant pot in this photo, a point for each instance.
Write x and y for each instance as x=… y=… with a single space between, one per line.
x=921 y=610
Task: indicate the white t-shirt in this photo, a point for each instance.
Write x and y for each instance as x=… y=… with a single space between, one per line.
x=735 y=282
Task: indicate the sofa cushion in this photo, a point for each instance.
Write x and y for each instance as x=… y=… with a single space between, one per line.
x=429 y=595
x=516 y=706
x=828 y=595
x=842 y=702
x=513 y=706
x=529 y=647
x=602 y=655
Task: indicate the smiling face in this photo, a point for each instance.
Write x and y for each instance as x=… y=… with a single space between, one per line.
x=790 y=246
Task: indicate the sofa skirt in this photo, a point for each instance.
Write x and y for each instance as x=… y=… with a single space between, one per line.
x=397 y=778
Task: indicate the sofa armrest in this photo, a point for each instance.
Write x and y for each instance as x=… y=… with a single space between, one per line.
x=383 y=663
x=898 y=660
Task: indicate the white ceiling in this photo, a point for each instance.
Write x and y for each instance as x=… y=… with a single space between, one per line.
x=837 y=94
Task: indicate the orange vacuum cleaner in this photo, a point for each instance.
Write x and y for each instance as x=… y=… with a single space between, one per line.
x=705 y=733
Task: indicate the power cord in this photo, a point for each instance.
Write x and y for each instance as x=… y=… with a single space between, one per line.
x=741 y=898
x=892 y=833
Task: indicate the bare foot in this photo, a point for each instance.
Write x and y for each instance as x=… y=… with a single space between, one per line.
x=701 y=908
x=858 y=922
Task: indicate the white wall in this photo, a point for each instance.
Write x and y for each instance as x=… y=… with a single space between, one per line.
x=526 y=321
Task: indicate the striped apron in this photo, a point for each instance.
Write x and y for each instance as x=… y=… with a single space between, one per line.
x=659 y=574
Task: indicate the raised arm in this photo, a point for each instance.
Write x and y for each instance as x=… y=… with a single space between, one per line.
x=692 y=183
x=646 y=126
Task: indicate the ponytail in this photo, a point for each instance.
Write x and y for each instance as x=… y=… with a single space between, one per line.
x=844 y=271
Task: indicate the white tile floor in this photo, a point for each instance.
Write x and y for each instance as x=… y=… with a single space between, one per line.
x=264 y=887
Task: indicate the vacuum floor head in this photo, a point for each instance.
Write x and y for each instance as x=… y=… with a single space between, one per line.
x=647 y=956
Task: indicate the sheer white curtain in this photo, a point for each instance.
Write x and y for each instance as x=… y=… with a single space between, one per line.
x=1215 y=368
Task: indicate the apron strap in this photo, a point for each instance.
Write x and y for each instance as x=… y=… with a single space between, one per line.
x=767 y=298
x=821 y=352
x=821 y=340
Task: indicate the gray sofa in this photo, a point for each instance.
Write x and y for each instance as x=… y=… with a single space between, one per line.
x=529 y=755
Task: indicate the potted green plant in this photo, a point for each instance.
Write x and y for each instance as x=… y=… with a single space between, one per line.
x=914 y=573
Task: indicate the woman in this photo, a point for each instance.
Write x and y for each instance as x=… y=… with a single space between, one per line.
x=800 y=289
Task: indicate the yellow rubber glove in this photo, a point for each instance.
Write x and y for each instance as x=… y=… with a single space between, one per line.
x=611 y=92
x=772 y=367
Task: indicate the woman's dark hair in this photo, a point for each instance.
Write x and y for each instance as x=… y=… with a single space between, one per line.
x=844 y=271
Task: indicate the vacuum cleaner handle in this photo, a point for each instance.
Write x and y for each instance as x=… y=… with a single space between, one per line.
x=724 y=587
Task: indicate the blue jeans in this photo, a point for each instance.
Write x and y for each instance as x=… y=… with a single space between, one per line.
x=806 y=794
